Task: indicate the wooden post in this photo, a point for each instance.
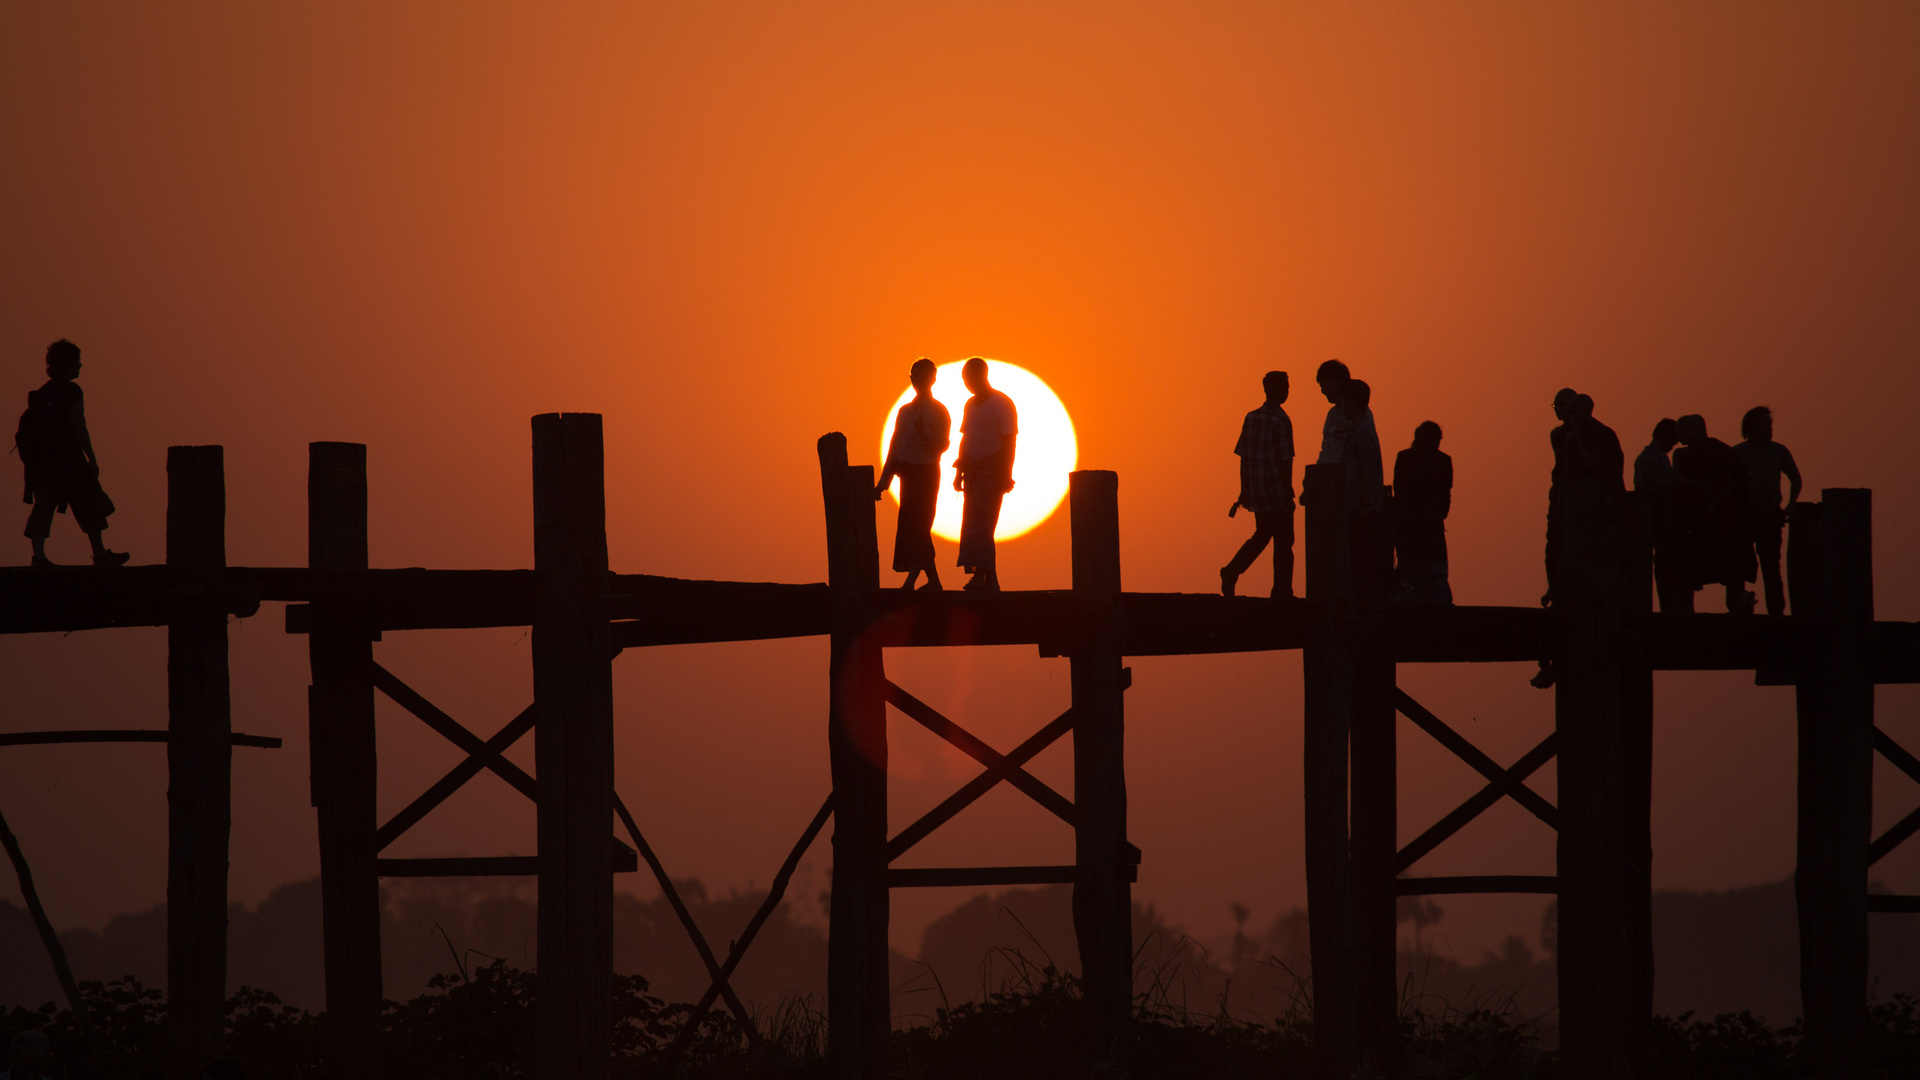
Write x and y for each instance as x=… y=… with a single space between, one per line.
x=859 y=1008
x=199 y=759
x=573 y=749
x=1102 y=895
x=1328 y=666
x=1636 y=739
x=1832 y=567
x=1374 y=777
x=1603 y=1032
x=340 y=734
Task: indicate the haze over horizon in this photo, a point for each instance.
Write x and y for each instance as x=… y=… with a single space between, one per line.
x=730 y=228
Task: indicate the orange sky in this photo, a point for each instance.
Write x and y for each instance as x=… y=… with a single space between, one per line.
x=729 y=227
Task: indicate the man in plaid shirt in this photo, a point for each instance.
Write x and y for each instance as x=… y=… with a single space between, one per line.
x=1266 y=488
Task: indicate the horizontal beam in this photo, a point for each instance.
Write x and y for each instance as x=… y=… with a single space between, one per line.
x=1481 y=883
x=624 y=862
x=120 y=735
x=1454 y=635
x=62 y=599
x=987 y=876
x=1903 y=905
x=672 y=611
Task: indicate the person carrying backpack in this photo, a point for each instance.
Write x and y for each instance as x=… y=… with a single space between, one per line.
x=62 y=471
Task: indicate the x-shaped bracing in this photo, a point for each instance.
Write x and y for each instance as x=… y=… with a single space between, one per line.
x=1501 y=783
x=999 y=767
x=1908 y=825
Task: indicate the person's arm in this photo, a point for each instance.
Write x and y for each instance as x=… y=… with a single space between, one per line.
x=1793 y=475
x=78 y=415
x=1446 y=486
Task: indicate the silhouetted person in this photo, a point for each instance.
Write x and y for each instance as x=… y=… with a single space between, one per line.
x=29 y=1056
x=1766 y=460
x=1333 y=377
x=989 y=428
x=62 y=471
x=1653 y=474
x=1266 y=488
x=1585 y=452
x=1714 y=527
x=920 y=436
x=1422 y=498
x=1368 y=534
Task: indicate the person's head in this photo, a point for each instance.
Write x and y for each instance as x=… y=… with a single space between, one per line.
x=63 y=360
x=1691 y=428
x=1333 y=377
x=30 y=1053
x=974 y=374
x=1665 y=434
x=1427 y=435
x=923 y=374
x=1583 y=406
x=1563 y=403
x=1757 y=424
x=1275 y=384
x=1356 y=397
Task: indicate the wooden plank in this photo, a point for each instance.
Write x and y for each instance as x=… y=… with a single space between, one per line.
x=1830 y=556
x=199 y=759
x=456 y=733
x=1479 y=883
x=573 y=749
x=1896 y=754
x=966 y=742
x=65 y=599
x=980 y=785
x=1901 y=831
x=485 y=866
x=1473 y=807
x=1327 y=666
x=989 y=877
x=1456 y=635
x=1102 y=892
x=408 y=598
x=454 y=779
x=859 y=1016
x=1473 y=756
x=1883 y=903
x=344 y=752
x=119 y=735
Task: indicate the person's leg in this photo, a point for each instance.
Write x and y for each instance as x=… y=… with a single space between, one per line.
x=1283 y=552
x=40 y=525
x=991 y=515
x=1766 y=545
x=1249 y=551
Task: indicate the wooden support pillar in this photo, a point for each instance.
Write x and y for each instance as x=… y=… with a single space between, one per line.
x=1831 y=562
x=1374 y=809
x=859 y=1007
x=1605 y=953
x=1328 y=666
x=1102 y=895
x=573 y=749
x=199 y=759
x=340 y=734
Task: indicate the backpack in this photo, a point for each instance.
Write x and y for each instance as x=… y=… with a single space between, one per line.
x=41 y=433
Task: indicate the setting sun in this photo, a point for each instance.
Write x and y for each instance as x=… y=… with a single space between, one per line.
x=1047 y=450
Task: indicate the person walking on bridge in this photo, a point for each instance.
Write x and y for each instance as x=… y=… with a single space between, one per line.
x=989 y=428
x=1766 y=462
x=921 y=432
x=62 y=470
x=1266 y=488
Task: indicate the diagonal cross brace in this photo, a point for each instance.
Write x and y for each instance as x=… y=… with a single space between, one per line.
x=980 y=785
x=450 y=783
x=1473 y=756
x=1908 y=825
x=1510 y=779
x=979 y=751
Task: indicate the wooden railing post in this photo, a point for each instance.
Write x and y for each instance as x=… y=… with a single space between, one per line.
x=199 y=760
x=1102 y=895
x=1605 y=963
x=573 y=748
x=859 y=1006
x=340 y=734
x=1831 y=562
x=1328 y=667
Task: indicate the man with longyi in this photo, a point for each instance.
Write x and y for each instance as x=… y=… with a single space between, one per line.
x=989 y=429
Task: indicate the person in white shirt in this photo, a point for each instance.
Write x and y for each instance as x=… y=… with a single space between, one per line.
x=989 y=429
x=920 y=435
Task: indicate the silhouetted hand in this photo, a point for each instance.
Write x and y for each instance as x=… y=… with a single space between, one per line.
x=959 y=480
x=880 y=491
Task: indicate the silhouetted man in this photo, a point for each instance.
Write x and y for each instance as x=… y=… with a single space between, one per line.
x=1266 y=488
x=1653 y=475
x=1766 y=460
x=1333 y=377
x=1368 y=536
x=920 y=435
x=1715 y=538
x=989 y=427
x=62 y=470
x=1586 y=452
x=1422 y=498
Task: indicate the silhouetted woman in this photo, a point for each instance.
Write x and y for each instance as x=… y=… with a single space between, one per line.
x=920 y=436
x=1422 y=498
x=1714 y=534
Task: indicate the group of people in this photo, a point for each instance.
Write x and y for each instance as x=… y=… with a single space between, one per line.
x=1398 y=537
x=982 y=473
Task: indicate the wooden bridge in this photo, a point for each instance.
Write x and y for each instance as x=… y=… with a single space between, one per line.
x=1601 y=635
